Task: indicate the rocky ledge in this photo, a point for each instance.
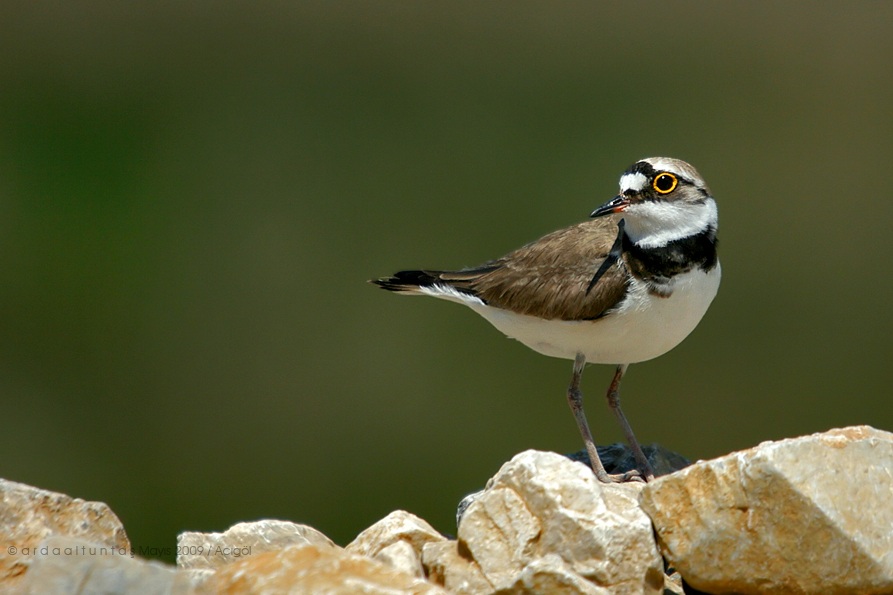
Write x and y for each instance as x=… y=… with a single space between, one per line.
x=804 y=515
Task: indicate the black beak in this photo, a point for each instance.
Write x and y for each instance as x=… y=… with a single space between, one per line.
x=615 y=205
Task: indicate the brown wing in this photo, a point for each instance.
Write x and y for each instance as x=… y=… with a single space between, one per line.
x=550 y=277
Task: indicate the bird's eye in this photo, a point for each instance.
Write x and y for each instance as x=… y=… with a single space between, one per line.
x=664 y=183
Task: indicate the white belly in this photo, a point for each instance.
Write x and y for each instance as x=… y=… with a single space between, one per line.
x=644 y=327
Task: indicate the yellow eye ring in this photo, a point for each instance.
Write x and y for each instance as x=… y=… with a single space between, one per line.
x=664 y=183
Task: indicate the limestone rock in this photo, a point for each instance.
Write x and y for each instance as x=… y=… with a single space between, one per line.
x=551 y=574
x=68 y=565
x=501 y=533
x=398 y=540
x=673 y=584
x=212 y=550
x=446 y=566
x=402 y=556
x=542 y=507
x=804 y=515
x=29 y=515
x=315 y=569
x=617 y=458
x=398 y=525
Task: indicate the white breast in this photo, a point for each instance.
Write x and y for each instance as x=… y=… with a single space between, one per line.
x=643 y=327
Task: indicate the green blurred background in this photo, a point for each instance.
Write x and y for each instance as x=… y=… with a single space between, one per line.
x=193 y=194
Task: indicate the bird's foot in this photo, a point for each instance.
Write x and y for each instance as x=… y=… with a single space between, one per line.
x=630 y=476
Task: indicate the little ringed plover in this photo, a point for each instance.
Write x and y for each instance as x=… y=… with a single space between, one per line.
x=625 y=286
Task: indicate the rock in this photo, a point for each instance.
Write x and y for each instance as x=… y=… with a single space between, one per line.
x=315 y=569
x=197 y=579
x=446 y=566
x=617 y=458
x=551 y=574
x=29 y=515
x=540 y=506
x=398 y=525
x=213 y=550
x=403 y=557
x=397 y=539
x=68 y=565
x=803 y=515
x=673 y=584
x=465 y=503
x=501 y=533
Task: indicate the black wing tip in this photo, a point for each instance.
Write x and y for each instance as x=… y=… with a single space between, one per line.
x=383 y=282
x=405 y=280
x=389 y=283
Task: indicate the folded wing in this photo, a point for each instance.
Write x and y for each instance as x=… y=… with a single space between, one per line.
x=538 y=279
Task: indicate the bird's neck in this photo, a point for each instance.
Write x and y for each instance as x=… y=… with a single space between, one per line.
x=658 y=224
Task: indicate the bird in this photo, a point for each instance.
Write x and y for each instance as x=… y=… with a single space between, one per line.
x=622 y=287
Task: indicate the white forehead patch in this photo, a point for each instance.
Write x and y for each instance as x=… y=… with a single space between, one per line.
x=635 y=182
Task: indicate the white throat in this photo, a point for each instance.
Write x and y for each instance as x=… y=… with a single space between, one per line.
x=655 y=224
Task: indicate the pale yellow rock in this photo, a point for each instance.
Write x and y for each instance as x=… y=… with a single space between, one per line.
x=314 y=569
x=501 y=534
x=541 y=505
x=402 y=556
x=803 y=515
x=447 y=567
x=213 y=550
x=397 y=526
x=30 y=515
x=68 y=565
x=673 y=584
x=550 y=574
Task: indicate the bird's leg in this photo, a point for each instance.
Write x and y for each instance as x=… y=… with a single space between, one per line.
x=614 y=404
x=575 y=400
